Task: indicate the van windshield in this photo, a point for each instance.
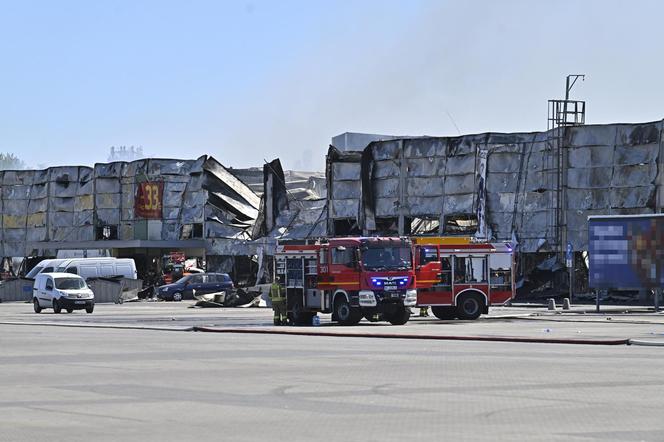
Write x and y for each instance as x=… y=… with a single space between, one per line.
x=69 y=283
x=34 y=272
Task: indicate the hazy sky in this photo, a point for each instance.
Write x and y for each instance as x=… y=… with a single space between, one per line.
x=248 y=80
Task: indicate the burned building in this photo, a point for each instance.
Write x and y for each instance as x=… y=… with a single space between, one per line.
x=140 y=209
x=536 y=189
x=147 y=209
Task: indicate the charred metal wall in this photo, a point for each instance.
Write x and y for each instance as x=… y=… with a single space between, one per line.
x=607 y=169
x=44 y=210
x=611 y=170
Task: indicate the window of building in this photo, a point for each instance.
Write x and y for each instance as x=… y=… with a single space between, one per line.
x=422 y=225
x=460 y=224
x=346 y=227
x=106 y=232
x=189 y=231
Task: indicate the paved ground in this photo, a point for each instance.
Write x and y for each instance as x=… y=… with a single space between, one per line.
x=90 y=383
x=81 y=384
x=533 y=323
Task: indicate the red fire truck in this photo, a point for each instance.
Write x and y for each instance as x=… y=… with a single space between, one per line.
x=351 y=278
x=459 y=277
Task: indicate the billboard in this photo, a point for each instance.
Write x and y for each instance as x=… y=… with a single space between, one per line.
x=626 y=251
x=148 y=202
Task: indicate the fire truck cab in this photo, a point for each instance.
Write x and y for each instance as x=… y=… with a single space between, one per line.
x=459 y=277
x=350 y=278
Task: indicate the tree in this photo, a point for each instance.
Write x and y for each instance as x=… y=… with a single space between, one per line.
x=9 y=161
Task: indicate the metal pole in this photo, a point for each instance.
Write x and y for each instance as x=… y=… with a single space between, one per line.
x=597 y=300
x=571 y=281
x=657 y=292
x=567 y=88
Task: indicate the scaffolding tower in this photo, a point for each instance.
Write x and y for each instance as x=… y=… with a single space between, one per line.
x=561 y=115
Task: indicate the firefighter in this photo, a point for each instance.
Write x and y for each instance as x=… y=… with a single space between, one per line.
x=278 y=303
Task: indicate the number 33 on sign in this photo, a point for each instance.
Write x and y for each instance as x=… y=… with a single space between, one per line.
x=148 y=200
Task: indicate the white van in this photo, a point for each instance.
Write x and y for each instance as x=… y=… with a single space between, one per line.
x=62 y=291
x=99 y=267
x=44 y=266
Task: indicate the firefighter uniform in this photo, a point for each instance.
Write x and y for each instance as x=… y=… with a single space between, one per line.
x=278 y=304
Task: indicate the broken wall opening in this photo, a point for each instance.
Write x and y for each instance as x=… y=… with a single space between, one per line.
x=242 y=269
x=422 y=225
x=460 y=224
x=194 y=230
x=106 y=232
x=387 y=226
x=346 y=227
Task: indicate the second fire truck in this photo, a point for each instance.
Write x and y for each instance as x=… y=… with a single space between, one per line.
x=459 y=277
x=352 y=278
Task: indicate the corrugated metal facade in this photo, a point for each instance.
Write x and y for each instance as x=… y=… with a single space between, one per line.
x=60 y=207
x=608 y=169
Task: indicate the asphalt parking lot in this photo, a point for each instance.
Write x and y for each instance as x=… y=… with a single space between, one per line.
x=580 y=323
x=87 y=379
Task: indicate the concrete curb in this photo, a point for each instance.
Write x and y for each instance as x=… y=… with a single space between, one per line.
x=590 y=320
x=646 y=343
x=416 y=337
x=108 y=326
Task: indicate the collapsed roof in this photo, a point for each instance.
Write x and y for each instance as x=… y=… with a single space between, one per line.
x=289 y=212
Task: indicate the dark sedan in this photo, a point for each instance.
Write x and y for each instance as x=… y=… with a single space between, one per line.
x=198 y=284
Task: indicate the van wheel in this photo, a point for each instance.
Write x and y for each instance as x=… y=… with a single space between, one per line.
x=56 y=306
x=469 y=306
x=346 y=315
x=35 y=303
x=177 y=297
x=70 y=310
x=89 y=309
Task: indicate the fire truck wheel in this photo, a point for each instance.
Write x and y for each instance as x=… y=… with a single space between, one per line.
x=400 y=317
x=299 y=316
x=444 y=312
x=345 y=314
x=470 y=305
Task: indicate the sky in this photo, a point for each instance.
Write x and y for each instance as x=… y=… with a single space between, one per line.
x=248 y=81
